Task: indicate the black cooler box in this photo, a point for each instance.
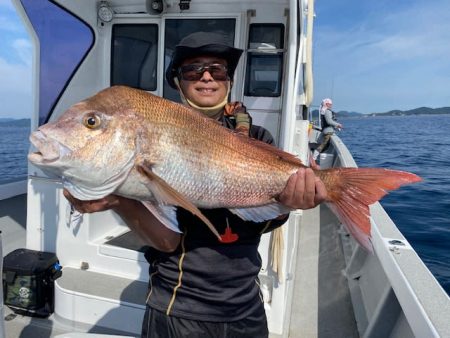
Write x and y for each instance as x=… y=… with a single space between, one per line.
x=28 y=281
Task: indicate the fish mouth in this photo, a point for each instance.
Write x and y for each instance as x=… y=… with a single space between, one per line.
x=48 y=150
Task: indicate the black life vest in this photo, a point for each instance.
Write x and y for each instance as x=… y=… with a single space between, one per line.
x=323 y=120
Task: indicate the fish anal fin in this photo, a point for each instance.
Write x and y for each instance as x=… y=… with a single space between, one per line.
x=261 y=213
x=356 y=220
x=165 y=194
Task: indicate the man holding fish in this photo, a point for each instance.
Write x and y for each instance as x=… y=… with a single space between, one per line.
x=200 y=286
x=172 y=171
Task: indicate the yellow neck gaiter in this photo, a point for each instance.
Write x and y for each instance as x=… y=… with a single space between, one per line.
x=214 y=112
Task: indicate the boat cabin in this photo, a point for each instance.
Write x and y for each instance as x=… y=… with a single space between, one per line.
x=82 y=47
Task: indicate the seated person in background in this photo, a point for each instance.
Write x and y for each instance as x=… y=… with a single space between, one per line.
x=329 y=124
x=199 y=286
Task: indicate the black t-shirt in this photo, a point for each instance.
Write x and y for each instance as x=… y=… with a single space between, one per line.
x=204 y=279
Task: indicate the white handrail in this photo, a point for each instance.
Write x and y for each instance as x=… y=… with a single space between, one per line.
x=309 y=84
x=13 y=188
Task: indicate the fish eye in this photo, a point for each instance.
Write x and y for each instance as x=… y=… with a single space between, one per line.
x=92 y=121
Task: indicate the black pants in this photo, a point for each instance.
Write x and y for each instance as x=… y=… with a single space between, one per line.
x=158 y=325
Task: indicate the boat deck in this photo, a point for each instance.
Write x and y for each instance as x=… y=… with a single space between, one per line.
x=322 y=306
x=336 y=291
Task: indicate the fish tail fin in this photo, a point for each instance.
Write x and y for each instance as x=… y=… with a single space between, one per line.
x=352 y=190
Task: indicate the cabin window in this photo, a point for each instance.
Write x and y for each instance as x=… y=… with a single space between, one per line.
x=264 y=60
x=177 y=29
x=135 y=56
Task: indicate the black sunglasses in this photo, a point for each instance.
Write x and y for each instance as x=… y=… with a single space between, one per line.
x=194 y=72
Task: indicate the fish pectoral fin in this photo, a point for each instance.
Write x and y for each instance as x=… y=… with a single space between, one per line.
x=166 y=214
x=261 y=213
x=165 y=194
x=98 y=188
x=86 y=193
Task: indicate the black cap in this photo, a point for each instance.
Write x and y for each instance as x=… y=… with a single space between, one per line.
x=203 y=43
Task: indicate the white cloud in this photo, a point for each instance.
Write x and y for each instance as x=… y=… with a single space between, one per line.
x=6 y=4
x=24 y=50
x=15 y=90
x=9 y=19
x=15 y=64
x=10 y=24
x=394 y=58
x=417 y=32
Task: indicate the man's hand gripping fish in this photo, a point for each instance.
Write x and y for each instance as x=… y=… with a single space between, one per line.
x=131 y=143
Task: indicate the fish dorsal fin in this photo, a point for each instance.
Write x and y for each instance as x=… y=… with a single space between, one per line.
x=165 y=194
x=288 y=157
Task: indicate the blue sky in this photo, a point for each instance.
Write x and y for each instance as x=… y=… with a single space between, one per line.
x=369 y=56
x=375 y=56
x=15 y=64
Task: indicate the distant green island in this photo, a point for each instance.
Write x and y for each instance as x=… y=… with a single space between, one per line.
x=416 y=111
x=340 y=114
x=15 y=122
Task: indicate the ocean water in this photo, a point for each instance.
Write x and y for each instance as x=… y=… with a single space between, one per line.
x=416 y=143
x=419 y=144
x=14 y=147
